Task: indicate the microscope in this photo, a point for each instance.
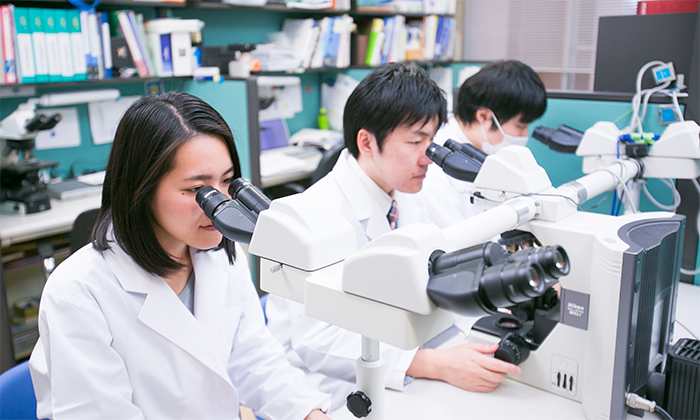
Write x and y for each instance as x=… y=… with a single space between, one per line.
x=22 y=183
x=611 y=326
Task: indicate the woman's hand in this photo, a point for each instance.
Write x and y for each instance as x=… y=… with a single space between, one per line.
x=317 y=414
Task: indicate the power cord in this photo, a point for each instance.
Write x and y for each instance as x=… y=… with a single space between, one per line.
x=695 y=272
x=635 y=401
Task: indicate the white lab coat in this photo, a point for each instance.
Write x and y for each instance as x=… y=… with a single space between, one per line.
x=117 y=343
x=328 y=353
x=447 y=199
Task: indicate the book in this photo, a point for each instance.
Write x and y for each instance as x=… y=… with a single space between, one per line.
x=64 y=49
x=95 y=65
x=375 y=43
x=130 y=37
x=388 y=38
x=319 y=52
x=8 y=45
x=51 y=35
x=76 y=46
x=41 y=69
x=71 y=189
x=430 y=33
x=137 y=22
x=25 y=52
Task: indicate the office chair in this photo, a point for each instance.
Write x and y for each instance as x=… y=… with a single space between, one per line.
x=325 y=165
x=82 y=229
x=17 y=400
x=330 y=157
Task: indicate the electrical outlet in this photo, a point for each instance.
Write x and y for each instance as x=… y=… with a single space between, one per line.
x=564 y=378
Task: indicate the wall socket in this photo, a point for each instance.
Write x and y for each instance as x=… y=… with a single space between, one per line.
x=564 y=377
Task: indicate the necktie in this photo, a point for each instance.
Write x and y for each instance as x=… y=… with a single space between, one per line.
x=393 y=215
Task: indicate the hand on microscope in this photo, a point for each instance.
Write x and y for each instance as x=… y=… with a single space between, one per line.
x=467 y=366
x=316 y=415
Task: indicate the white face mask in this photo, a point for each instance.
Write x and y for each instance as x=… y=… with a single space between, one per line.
x=508 y=140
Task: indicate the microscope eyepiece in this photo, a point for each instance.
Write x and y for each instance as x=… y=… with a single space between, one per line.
x=553 y=259
x=209 y=199
x=248 y=195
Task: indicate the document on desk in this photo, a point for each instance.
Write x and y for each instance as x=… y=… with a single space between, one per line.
x=273 y=164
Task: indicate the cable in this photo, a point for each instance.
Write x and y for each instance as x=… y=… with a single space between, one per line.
x=686 y=271
x=635 y=401
x=663 y=413
x=622 y=185
x=676 y=196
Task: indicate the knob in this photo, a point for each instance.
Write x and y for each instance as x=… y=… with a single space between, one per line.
x=359 y=404
x=513 y=349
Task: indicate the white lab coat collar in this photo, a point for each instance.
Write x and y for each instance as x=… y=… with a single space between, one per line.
x=451 y=130
x=164 y=313
x=364 y=203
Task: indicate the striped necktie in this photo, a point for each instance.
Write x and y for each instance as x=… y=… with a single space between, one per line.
x=393 y=215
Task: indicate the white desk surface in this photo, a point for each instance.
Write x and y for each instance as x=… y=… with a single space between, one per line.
x=427 y=399
x=274 y=169
x=15 y=228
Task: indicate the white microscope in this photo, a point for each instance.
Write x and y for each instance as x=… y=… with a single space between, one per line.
x=618 y=300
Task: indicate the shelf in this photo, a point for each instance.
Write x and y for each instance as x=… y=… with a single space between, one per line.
x=85 y=83
x=266 y=8
x=283 y=9
x=127 y=3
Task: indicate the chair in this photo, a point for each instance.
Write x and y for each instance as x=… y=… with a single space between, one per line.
x=82 y=229
x=330 y=157
x=328 y=160
x=80 y=236
x=17 y=400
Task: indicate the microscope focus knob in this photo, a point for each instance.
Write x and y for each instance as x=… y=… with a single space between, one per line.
x=513 y=349
x=359 y=404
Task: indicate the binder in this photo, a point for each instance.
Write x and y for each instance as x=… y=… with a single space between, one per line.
x=51 y=35
x=39 y=45
x=25 y=52
x=330 y=55
x=8 y=45
x=95 y=43
x=106 y=38
x=76 y=45
x=88 y=45
x=161 y=52
x=64 y=51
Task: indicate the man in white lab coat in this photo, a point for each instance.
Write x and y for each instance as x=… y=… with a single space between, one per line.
x=389 y=121
x=494 y=109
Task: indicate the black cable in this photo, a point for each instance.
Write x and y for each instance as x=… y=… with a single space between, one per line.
x=663 y=413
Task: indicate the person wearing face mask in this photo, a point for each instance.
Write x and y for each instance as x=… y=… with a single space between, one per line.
x=494 y=109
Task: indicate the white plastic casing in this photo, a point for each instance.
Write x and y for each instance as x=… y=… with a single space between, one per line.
x=512 y=169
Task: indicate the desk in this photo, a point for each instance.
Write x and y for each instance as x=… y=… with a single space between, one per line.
x=287 y=164
x=15 y=228
x=427 y=399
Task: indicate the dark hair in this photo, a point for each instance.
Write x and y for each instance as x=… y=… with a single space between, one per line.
x=507 y=88
x=148 y=137
x=394 y=95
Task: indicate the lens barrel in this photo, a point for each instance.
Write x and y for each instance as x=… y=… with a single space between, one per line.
x=209 y=199
x=509 y=284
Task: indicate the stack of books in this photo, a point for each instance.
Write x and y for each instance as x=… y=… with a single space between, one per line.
x=396 y=39
x=55 y=45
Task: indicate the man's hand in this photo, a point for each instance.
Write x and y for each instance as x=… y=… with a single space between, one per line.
x=316 y=414
x=466 y=366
